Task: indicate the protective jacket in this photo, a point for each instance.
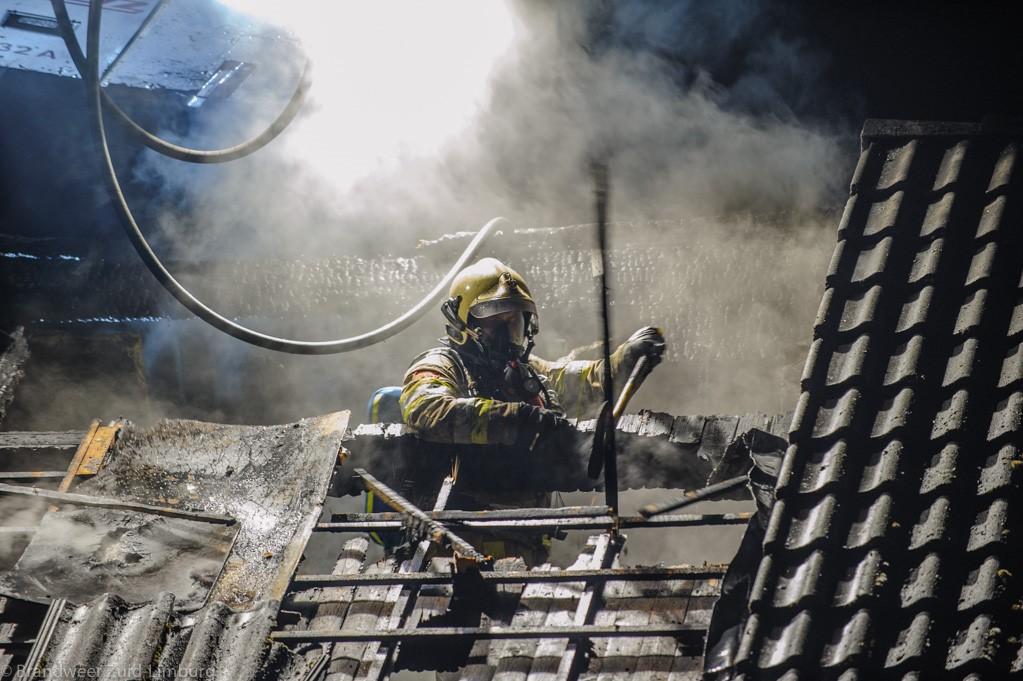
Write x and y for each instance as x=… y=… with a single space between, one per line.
x=448 y=396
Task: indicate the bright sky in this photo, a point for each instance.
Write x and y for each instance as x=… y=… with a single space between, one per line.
x=390 y=78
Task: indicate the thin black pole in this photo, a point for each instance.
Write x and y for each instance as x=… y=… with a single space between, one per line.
x=601 y=191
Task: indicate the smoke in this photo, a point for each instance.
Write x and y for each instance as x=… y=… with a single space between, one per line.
x=727 y=147
x=423 y=120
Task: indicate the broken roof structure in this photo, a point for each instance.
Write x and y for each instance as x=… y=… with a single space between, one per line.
x=887 y=553
x=890 y=550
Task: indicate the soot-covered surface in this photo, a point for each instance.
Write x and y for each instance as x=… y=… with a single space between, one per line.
x=271 y=479
x=80 y=554
x=655 y=450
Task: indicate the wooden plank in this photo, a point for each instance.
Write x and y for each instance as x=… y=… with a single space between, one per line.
x=40 y=439
x=32 y=475
x=76 y=460
x=102 y=441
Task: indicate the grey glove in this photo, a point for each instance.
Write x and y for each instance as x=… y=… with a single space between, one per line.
x=647 y=342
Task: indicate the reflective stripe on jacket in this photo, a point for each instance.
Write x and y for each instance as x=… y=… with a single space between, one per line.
x=443 y=402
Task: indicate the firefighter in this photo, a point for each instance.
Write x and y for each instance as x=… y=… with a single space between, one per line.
x=482 y=386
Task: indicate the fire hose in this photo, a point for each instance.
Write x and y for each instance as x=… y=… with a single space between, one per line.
x=92 y=77
x=67 y=32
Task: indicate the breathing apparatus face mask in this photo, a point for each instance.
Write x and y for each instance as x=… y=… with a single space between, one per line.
x=505 y=336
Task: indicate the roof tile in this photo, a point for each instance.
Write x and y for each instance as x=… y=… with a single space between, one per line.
x=882 y=216
x=911 y=642
x=982 y=584
x=810 y=523
x=849 y=642
x=1016 y=321
x=976 y=642
x=991 y=218
x=938 y=217
x=871 y=262
x=881 y=466
x=871 y=524
x=1008 y=416
x=961 y=363
x=894 y=413
x=897 y=164
x=982 y=264
x=859 y=310
x=926 y=261
x=904 y=362
x=1004 y=167
x=932 y=525
x=861 y=580
x=914 y=311
x=799 y=582
x=836 y=414
x=1012 y=367
x=865 y=157
x=990 y=527
x=971 y=313
x=951 y=165
x=996 y=474
x=951 y=414
x=940 y=472
x=824 y=466
x=847 y=361
x=922 y=582
x=787 y=641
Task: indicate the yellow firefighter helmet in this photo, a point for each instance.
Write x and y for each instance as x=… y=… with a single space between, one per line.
x=484 y=289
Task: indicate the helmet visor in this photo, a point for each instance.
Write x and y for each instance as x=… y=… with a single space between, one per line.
x=489 y=308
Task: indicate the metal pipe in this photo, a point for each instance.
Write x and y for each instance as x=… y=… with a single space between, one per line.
x=694 y=496
x=601 y=191
x=369 y=523
x=652 y=574
x=693 y=632
x=434 y=529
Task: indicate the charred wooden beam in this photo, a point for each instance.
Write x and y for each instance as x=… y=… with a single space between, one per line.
x=29 y=439
x=655 y=450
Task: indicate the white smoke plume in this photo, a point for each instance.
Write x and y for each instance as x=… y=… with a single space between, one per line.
x=430 y=118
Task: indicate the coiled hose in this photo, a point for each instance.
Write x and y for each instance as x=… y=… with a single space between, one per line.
x=162 y=146
x=91 y=76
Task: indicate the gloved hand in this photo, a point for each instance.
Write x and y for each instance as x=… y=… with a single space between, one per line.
x=647 y=342
x=537 y=425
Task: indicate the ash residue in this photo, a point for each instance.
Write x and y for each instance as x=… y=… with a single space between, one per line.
x=272 y=479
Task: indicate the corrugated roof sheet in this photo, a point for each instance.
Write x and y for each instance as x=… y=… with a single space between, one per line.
x=109 y=639
x=890 y=550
